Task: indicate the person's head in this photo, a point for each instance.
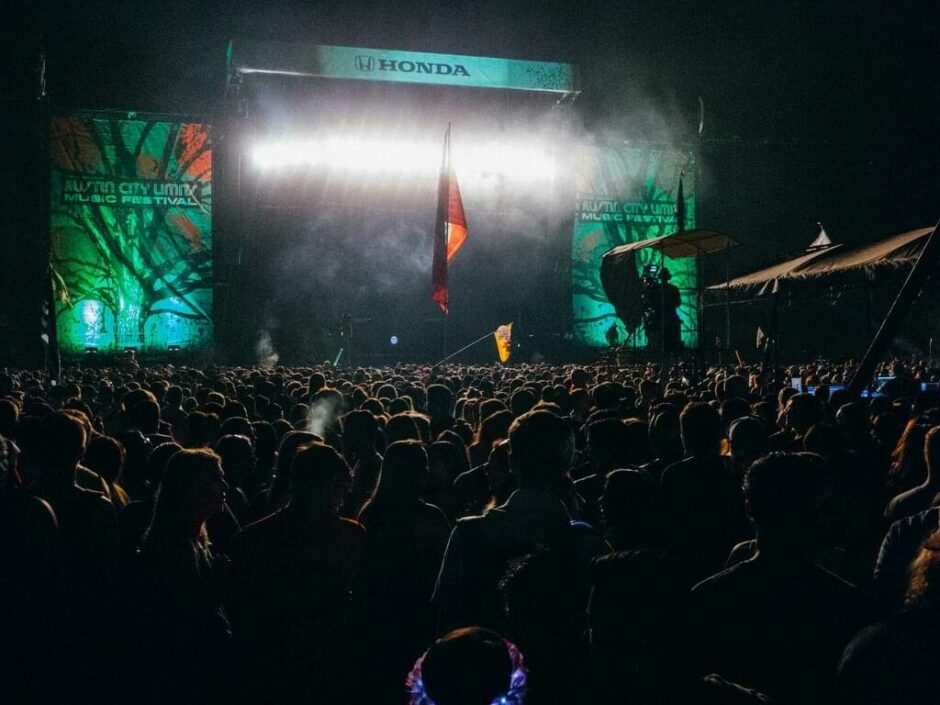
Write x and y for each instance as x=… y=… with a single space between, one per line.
x=156 y=464
x=359 y=432
x=803 y=411
x=402 y=427
x=469 y=666
x=63 y=446
x=700 y=426
x=144 y=416
x=238 y=457
x=733 y=409
x=446 y=461
x=732 y=387
x=541 y=448
x=192 y=491
x=105 y=456
x=440 y=400
x=665 y=439
x=320 y=478
x=780 y=495
x=9 y=414
x=747 y=440
x=521 y=401
x=495 y=427
x=197 y=430
x=404 y=472
x=497 y=470
x=607 y=444
x=823 y=440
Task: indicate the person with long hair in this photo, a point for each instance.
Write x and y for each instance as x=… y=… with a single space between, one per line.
x=179 y=597
x=405 y=539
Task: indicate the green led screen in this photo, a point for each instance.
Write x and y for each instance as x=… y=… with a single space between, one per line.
x=131 y=224
x=627 y=194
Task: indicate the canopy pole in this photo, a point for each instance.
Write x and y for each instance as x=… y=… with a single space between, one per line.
x=728 y=297
x=662 y=316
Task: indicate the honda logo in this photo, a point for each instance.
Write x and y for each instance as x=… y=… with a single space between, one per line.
x=365 y=63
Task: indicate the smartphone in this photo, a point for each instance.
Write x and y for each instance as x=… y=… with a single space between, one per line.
x=797 y=383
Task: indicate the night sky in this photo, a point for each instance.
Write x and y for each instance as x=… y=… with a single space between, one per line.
x=820 y=111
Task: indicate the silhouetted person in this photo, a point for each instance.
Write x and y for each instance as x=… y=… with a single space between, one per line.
x=899 y=548
x=470 y=666
x=294 y=577
x=405 y=542
x=918 y=499
x=896 y=660
x=802 y=412
x=639 y=641
x=485 y=486
x=28 y=534
x=777 y=622
x=541 y=447
x=440 y=409
x=703 y=505
x=612 y=445
x=546 y=596
x=179 y=630
x=87 y=547
x=134 y=519
x=360 y=431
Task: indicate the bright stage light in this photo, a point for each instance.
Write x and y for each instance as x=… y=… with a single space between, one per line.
x=526 y=161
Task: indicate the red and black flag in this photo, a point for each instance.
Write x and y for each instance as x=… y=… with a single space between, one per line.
x=450 y=227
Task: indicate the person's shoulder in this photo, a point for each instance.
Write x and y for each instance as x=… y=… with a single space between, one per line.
x=92 y=499
x=29 y=510
x=835 y=584
x=432 y=512
x=471 y=527
x=350 y=526
x=472 y=476
x=927 y=519
x=589 y=481
x=676 y=470
x=725 y=579
x=265 y=523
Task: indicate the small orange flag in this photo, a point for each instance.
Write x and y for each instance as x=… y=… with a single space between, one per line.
x=503 y=336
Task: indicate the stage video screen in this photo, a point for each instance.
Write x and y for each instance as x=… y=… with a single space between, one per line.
x=131 y=222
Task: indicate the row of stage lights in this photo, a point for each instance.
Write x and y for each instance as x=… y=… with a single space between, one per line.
x=392 y=158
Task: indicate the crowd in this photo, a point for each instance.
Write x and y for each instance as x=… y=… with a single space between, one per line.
x=469 y=536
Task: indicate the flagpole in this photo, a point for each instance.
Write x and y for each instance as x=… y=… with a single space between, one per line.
x=446 y=170
x=466 y=347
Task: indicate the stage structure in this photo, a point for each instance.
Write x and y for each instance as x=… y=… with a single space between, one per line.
x=627 y=194
x=333 y=155
x=131 y=227
x=244 y=58
x=621 y=281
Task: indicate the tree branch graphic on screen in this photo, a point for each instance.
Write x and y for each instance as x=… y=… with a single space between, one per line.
x=131 y=233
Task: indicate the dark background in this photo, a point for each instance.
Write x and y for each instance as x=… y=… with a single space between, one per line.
x=813 y=111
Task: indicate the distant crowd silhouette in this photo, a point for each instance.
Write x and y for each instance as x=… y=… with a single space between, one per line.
x=469 y=536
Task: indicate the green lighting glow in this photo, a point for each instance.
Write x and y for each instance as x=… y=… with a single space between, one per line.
x=627 y=194
x=131 y=233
